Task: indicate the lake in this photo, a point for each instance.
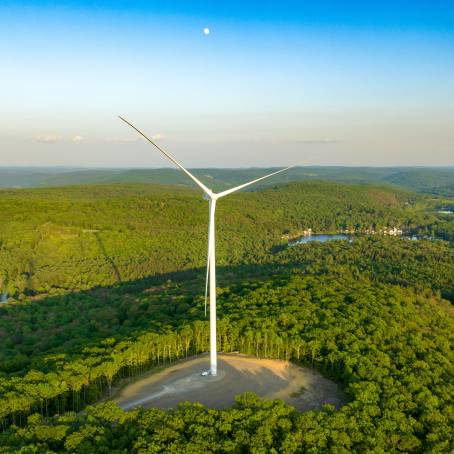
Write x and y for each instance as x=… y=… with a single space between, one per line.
x=320 y=237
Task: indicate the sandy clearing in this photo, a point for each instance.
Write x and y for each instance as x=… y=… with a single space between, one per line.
x=304 y=388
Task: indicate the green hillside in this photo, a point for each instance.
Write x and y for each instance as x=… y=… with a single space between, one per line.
x=106 y=282
x=424 y=180
x=74 y=238
x=387 y=344
x=430 y=180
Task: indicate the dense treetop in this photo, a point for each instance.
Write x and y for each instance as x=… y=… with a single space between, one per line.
x=109 y=283
x=388 y=345
x=74 y=238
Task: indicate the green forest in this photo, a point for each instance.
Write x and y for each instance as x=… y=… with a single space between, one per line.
x=75 y=238
x=106 y=282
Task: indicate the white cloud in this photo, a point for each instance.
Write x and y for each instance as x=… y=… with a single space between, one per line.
x=53 y=138
x=134 y=139
x=122 y=140
x=275 y=141
x=316 y=141
x=158 y=137
x=48 y=138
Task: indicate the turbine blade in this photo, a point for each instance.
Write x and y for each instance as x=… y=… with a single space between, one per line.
x=241 y=186
x=170 y=157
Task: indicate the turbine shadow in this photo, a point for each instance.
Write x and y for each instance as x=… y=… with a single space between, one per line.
x=108 y=257
x=82 y=319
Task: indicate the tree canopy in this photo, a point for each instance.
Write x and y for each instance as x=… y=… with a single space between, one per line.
x=374 y=314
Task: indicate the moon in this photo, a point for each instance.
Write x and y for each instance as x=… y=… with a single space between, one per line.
x=206 y=31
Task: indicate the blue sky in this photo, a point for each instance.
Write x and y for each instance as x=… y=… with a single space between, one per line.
x=352 y=83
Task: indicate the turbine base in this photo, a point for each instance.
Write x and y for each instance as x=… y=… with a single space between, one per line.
x=209 y=373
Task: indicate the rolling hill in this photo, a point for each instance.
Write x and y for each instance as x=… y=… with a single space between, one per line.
x=73 y=238
x=429 y=180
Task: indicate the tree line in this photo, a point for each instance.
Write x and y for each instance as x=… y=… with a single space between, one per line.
x=65 y=324
x=389 y=346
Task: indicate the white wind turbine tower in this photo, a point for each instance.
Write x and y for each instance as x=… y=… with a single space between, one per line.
x=212 y=197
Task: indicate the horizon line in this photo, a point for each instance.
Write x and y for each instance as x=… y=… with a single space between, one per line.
x=359 y=166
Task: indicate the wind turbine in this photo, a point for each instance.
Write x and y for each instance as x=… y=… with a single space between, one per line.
x=212 y=198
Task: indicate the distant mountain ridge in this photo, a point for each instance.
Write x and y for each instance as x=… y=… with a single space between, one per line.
x=422 y=179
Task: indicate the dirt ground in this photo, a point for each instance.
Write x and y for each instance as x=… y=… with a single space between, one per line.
x=303 y=388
